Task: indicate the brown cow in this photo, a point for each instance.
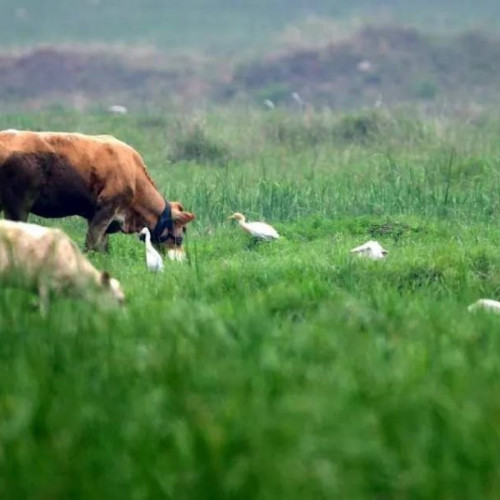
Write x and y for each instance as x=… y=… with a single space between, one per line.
x=104 y=180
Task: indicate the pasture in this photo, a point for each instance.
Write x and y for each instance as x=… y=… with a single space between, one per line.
x=286 y=370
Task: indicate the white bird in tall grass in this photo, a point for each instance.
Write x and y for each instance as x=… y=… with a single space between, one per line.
x=486 y=304
x=371 y=249
x=259 y=230
x=269 y=104
x=298 y=100
x=117 y=109
x=154 y=262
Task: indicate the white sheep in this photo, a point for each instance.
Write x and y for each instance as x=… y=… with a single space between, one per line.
x=46 y=260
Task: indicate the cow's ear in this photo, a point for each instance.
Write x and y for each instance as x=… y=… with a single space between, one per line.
x=105 y=278
x=185 y=218
x=178 y=215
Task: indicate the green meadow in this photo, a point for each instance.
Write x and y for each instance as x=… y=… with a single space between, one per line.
x=288 y=370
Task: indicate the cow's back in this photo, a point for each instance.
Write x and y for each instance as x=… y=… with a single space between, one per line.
x=102 y=155
x=16 y=141
x=66 y=173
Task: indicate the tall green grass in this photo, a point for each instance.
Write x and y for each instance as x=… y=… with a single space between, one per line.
x=283 y=370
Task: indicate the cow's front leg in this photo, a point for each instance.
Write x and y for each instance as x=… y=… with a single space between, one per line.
x=43 y=299
x=17 y=215
x=15 y=209
x=103 y=245
x=97 y=239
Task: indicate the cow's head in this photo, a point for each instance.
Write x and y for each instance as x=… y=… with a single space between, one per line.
x=171 y=226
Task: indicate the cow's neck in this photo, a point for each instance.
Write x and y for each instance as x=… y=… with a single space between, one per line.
x=149 y=204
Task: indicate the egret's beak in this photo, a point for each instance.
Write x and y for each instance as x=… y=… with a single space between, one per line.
x=231 y=217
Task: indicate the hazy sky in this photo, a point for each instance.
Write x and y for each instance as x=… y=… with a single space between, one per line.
x=219 y=23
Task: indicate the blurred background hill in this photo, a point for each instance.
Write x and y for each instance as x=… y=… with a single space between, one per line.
x=339 y=53
x=222 y=24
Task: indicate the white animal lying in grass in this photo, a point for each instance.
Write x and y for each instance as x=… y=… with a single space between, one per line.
x=47 y=260
x=154 y=262
x=371 y=249
x=259 y=230
x=485 y=304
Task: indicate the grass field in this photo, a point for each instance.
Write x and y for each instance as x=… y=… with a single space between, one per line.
x=284 y=370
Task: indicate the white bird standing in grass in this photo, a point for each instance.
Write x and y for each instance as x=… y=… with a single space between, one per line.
x=300 y=102
x=117 y=110
x=259 y=230
x=153 y=258
x=269 y=104
x=371 y=249
x=486 y=304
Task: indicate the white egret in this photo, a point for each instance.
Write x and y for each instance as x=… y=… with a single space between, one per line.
x=269 y=104
x=301 y=104
x=154 y=262
x=486 y=304
x=365 y=66
x=259 y=230
x=117 y=109
x=371 y=249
